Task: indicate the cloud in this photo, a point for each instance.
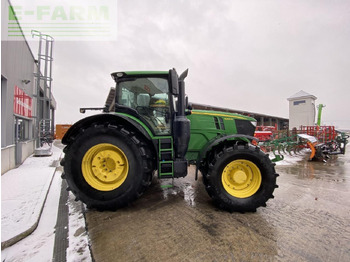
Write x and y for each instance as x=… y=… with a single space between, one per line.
x=249 y=55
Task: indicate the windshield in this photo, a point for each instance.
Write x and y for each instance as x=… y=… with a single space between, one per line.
x=150 y=98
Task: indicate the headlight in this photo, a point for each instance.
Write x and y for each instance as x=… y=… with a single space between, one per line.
x=253 y=123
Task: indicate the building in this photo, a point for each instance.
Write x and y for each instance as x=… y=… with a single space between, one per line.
x=23 y=101
x=302 y=110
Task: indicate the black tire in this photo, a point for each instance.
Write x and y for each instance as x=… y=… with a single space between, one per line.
x=138 y=159
x=255 y=157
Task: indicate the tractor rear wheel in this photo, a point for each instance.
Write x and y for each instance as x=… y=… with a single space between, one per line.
x=107 y=167
x=240 y=178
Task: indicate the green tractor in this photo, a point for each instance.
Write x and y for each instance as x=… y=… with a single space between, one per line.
x=110 y=158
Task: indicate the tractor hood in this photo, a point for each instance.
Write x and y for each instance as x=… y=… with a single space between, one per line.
x=207 y=126
x=222 y=123
x=223 y=114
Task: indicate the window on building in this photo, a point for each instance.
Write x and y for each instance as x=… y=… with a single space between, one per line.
x=299 y=102
x=21 y=129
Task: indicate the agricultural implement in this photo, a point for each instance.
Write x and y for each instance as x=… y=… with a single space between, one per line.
x=282 y=146
x=110 y=158
x=264 y=133
x=322 y=151
x=323 y=141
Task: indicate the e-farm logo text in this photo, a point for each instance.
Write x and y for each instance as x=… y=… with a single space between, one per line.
x=63 y=20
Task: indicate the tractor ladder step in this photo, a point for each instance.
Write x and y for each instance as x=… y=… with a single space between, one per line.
x=166 y=163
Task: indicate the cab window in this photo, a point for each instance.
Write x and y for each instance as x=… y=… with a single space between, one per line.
x=150 y=98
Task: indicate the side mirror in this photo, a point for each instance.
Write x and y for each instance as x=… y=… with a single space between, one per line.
x=188 y=104
x=188 y=109
x=174 y=81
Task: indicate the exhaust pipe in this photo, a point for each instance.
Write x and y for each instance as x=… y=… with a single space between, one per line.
x=181 y=123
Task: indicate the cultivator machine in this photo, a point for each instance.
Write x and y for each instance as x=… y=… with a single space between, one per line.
x=323 y=141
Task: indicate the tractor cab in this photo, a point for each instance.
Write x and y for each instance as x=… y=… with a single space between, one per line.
x=148 y=98
x=157 y=100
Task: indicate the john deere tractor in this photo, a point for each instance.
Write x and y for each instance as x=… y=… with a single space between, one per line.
x=110 y=158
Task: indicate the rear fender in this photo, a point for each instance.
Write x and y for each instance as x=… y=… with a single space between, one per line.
x=104 y=119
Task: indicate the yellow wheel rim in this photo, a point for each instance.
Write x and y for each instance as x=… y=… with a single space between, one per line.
x=241 y=178
x=105 y=167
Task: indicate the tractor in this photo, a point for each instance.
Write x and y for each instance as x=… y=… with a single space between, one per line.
x=111 y=157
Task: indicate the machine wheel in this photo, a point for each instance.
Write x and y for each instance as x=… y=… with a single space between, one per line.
x=107 y=167
x=240 y=178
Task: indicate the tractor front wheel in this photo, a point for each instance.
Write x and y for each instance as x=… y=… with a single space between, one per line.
x=240 y=178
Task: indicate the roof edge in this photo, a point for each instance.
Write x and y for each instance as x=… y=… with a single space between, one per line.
x=301 y=94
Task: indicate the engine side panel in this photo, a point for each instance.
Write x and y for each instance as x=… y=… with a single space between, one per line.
x=208 y=125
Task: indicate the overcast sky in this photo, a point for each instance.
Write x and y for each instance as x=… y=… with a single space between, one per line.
x=246 y=55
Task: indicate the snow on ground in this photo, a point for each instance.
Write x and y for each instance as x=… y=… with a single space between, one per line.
x=78 y=249
x=29 y=183
x=39 y=245
x=23 y=191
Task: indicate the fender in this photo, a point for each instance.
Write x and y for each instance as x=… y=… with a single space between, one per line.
x=218 y=140
x=103 y=119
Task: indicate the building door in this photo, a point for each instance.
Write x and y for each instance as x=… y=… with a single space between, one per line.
x=21 y=134
x=4 y=140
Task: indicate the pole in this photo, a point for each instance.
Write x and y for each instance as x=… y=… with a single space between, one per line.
x=319 y=108
x=38 y=72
